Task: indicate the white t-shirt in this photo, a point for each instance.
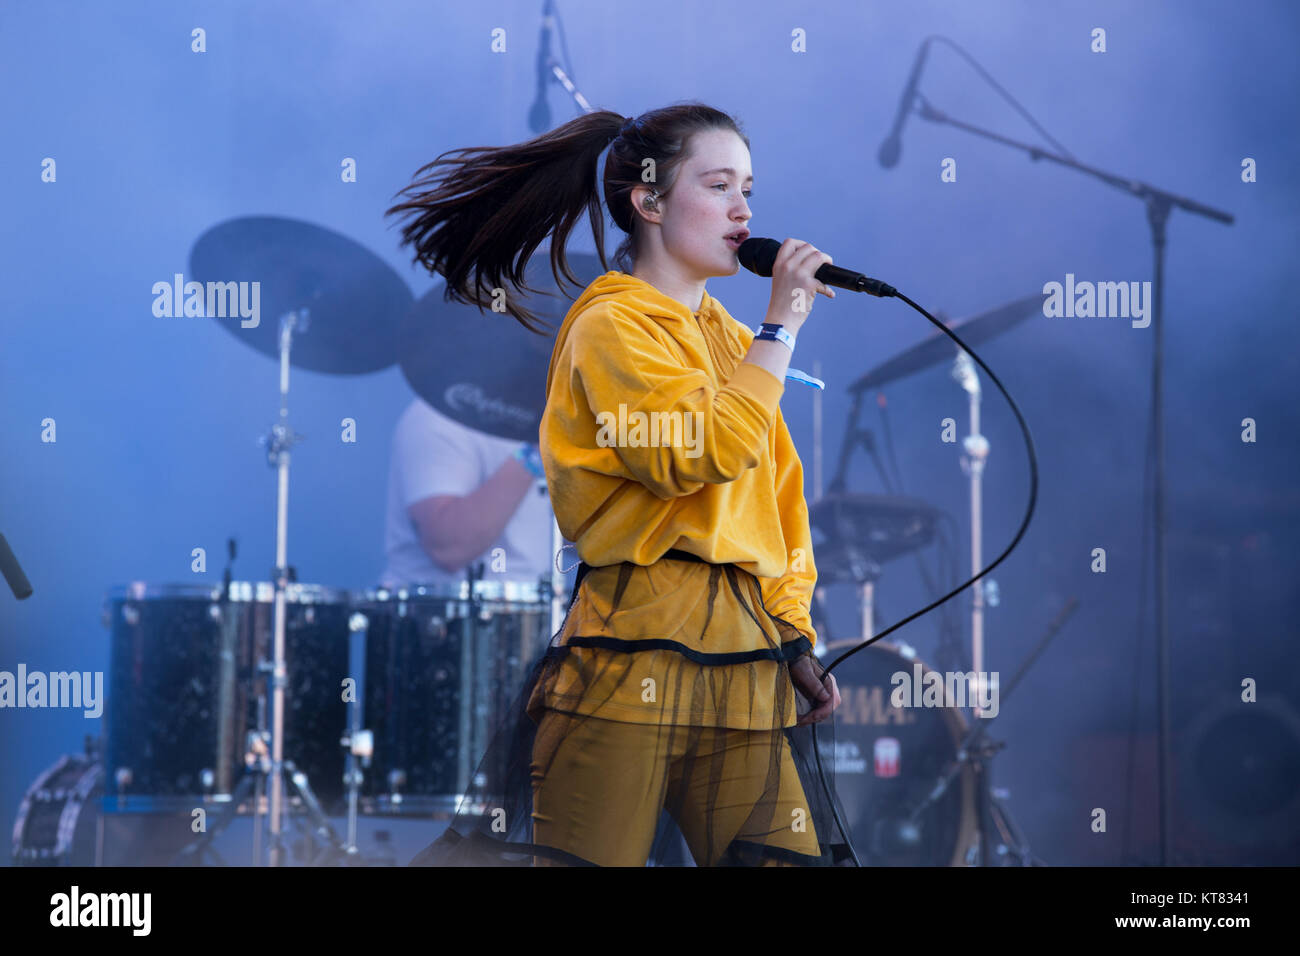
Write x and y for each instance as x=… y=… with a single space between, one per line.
x=434 y=455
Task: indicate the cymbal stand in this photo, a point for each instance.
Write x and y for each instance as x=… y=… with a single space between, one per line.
x=475 y=665
x=358 y=744
x=977 y=751
x=257 y=765
x=864 y=569
x=976 y=452
x=280 y=440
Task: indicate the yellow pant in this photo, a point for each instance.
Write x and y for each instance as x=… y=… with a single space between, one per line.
x=599 y=787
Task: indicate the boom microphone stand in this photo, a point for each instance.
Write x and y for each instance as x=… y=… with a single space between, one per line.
x=1158 y=204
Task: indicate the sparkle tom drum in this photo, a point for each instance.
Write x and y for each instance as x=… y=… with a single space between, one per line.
x=441 y=672
x=183 y=685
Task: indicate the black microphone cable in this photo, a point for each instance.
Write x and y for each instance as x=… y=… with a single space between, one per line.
x=1020 y=533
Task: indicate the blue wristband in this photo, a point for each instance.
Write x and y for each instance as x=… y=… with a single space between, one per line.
x=794 y=375
x=771 y=332
x=531 y=458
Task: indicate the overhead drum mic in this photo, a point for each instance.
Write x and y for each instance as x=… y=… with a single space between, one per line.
x=893 y=146
x=539 y=116
x=759 y=256
x=13 y=572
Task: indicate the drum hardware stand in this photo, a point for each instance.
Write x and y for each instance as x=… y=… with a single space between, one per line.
x=281 y=439
x=821 y=620
x=976 y=452
x=358 y=746
x=333 y=846
x=854 y=436
x=862 y=567
x=226 y=702
x=977 y=751
x=472 y=663
x=193 y=853
x=257 y=766
x=866 y=572
x=259 y=763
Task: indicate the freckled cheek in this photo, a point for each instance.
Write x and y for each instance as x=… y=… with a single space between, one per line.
x=697 y=232
x=705 y=227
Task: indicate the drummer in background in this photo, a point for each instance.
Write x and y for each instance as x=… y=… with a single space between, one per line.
x=455 y=496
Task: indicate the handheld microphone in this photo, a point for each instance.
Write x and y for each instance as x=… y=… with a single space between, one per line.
x=539 y=117
x=892 y=147
x=759 y=255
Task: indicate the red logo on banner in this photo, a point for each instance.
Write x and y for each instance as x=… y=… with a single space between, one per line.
x=886 y=756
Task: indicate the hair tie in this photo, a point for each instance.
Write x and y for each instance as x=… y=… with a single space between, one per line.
x=627 y=127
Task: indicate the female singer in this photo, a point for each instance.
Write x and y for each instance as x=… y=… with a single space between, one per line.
x=670 y=686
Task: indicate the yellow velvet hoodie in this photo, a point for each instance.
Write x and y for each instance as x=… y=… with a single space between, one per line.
x=657 y=436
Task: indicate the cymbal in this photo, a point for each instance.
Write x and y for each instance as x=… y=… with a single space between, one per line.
x=485 y=370
x=862 y=532
x=939 y=348
x=355 y=299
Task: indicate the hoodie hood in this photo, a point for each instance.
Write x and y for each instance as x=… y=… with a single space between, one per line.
x=711 y=319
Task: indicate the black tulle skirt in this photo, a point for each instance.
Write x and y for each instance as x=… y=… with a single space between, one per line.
x=557 y=787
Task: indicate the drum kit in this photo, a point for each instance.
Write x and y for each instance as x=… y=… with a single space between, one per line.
x=280 y=699
x=284 y=700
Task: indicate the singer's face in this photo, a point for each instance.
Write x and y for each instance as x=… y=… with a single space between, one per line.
x=707 y=203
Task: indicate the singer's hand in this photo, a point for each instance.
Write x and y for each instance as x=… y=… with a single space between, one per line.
x=822 y=692
x=794 y=271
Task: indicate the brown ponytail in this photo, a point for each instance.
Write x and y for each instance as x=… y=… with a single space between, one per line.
x=478 y=221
